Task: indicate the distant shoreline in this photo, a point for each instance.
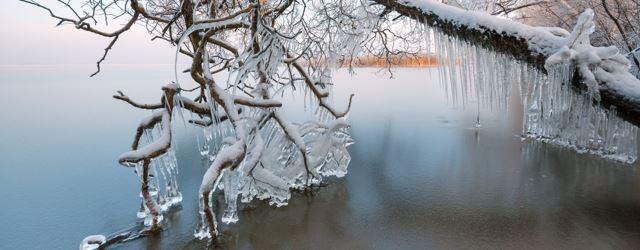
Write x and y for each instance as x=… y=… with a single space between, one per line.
x=399 y=61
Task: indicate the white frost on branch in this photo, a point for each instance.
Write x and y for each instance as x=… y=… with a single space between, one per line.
x=540 y=40
x=227 y=157
x=579 y=52
x=557 y=31
x=553 y=111
x=611 y=71
x=149 y=120
x=153 y=149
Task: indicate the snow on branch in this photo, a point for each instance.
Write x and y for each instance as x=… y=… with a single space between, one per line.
x=478 y=26
x=253 y=102
x=229 y=157
x=146 y=124
x=154 y=149
x=578 y=51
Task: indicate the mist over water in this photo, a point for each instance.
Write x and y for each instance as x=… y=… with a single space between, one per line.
x=420 y=175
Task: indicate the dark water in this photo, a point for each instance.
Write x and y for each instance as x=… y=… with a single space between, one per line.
x=420 y=177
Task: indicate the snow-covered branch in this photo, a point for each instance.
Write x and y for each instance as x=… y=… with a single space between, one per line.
x=617 y=88
x=578 y=51
x=155 y=148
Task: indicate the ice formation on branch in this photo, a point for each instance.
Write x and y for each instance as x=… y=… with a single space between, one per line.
x=617 y=86
x=245 y=56
x=555 y=109
x=155 y=162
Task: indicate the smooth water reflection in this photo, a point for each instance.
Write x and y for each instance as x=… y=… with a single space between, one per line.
x=419 y=176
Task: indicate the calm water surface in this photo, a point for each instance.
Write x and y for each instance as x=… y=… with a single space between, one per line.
x=420 y=177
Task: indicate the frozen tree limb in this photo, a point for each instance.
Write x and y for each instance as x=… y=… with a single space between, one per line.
x=92 y=242
x=146 y=124
x=229 y=157
x=526 y=43
x=154 y=149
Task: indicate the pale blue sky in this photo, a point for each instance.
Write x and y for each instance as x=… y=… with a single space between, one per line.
x=28 y=36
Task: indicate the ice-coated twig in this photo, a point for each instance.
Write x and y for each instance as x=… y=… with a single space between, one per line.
x=320 y=95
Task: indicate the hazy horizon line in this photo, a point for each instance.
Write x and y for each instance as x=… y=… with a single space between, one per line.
x=81 y=64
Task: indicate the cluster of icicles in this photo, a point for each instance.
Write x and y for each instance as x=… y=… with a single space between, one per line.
x=553 y=112
x=163 y=179
x=162 y=187
x=281 y=168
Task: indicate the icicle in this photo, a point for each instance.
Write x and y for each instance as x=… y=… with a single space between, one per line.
x=282 y=164
x=555 y=113
x=230 y=196
x=202 y=229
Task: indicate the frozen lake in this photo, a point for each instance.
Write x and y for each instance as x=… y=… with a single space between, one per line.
x=420 y=176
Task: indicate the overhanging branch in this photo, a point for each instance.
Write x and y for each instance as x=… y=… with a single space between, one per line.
x=526 y=43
